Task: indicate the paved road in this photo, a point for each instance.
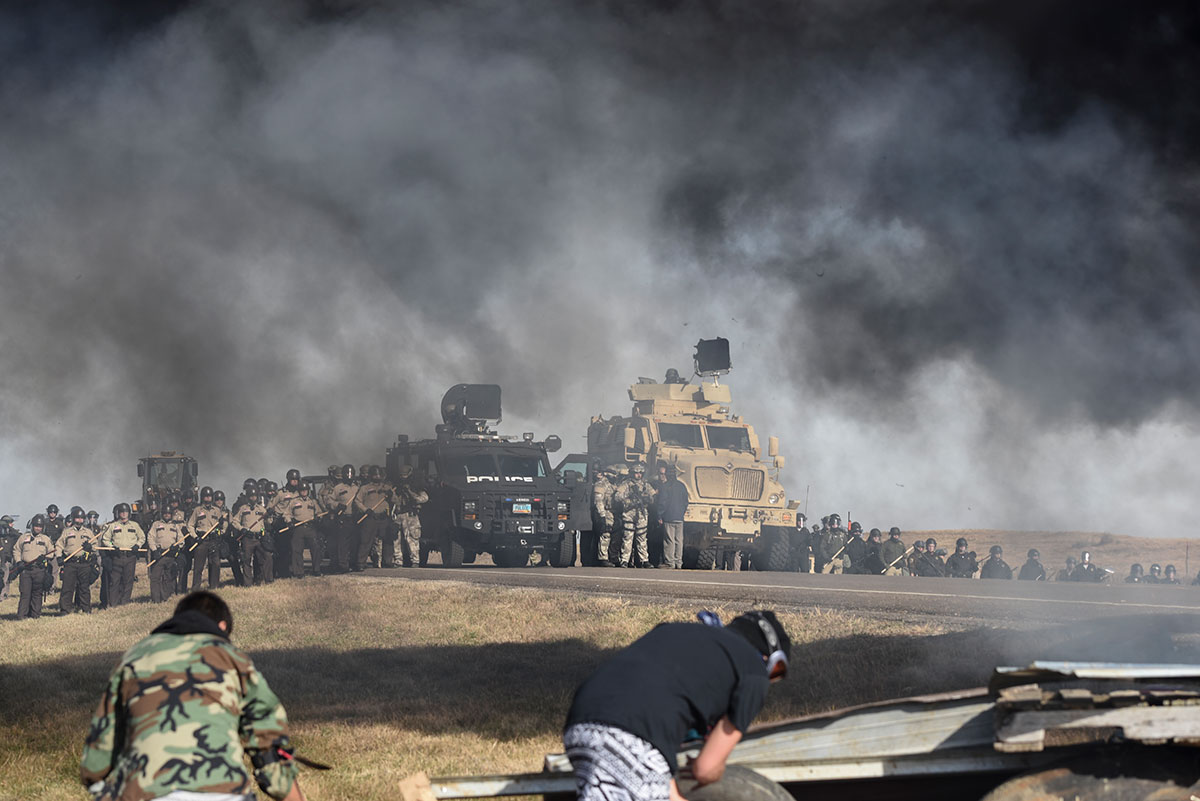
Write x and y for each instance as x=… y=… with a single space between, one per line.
x=905 y=598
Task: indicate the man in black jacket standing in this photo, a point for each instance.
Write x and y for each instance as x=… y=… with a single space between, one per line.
x=672 y=503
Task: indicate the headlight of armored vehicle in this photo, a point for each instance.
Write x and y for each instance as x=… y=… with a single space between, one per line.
x=774 y=498
x=563 y=508
x=468 y=506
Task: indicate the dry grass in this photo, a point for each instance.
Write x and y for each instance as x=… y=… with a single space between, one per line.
x=384 y=677
x=1115 y=551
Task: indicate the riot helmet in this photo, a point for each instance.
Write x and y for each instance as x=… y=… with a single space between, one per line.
x=919 y=545
x=894 y=531
x=404 y=471
x=293 y=475
x=1136 y=570
x=38 y=521
x=960 y=544
x=249 y=484
x=218 y=496
x=120 y=509
x=52 y=510
x=930 y=544
x=1169 y=571
x=1085 y=557
x=206 y=492
x=1155 y=569
x=1033 y=554
x=995 y=550
x=347 y=472
x=856 y=527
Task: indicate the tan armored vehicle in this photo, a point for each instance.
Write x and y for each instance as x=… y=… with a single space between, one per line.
x=736 y=500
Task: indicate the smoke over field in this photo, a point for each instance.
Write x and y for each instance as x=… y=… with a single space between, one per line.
x=954 y=245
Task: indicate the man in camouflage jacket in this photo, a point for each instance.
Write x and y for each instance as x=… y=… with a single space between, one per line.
x=181 y=710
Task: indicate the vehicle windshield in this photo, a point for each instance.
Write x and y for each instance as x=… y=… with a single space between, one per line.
x=531 y=466
x=579 y=467
x=472 y=466
x=165 y=474
x=685 y=436
x=728 y=438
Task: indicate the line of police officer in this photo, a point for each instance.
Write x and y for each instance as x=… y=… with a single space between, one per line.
x=356 y=518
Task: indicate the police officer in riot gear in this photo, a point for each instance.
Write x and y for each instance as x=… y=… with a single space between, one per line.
x=75 y=552
x=962 y=563
x=994 y=567
x=1032 y=570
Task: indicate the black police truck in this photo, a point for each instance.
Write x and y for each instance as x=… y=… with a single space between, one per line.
x=487 y=493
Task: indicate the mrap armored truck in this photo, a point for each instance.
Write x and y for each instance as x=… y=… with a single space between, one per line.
x=735 y=499
x=488 y=493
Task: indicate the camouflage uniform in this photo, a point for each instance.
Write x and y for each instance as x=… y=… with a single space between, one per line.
x=602 y=516
x=8 y=538
x=163 y=535
x=635 y=496
x=124 y=539
x=179 y=713
x=77 y=568
x=409 y=500
x=205 y=524
x=35 y=551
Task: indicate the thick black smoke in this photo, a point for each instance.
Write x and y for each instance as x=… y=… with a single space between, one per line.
x=272 y=235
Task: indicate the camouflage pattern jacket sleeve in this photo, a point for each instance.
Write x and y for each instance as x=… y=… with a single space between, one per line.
x=180 y=713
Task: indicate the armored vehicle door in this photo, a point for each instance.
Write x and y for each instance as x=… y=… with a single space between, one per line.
x=579 y=466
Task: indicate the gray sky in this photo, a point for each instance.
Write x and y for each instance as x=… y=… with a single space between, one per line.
x=953 y=246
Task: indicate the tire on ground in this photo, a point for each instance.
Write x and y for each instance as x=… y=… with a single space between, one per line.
x=737 y=784
x=452 y=552
x=706 y=558
x=779 y=552
x=564 y=554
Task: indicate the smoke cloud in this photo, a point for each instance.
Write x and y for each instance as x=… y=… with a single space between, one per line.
x=954 y=247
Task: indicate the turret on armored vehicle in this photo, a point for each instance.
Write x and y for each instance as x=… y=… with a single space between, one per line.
x=488 y=493
x=735 y=499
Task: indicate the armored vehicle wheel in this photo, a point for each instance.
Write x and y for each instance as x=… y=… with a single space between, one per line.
x=564 y=554
x=737 y=784
x=452 y=552
x=706 y=558
x=776 y=556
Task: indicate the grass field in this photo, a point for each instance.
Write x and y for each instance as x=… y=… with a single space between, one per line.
x=384 y=677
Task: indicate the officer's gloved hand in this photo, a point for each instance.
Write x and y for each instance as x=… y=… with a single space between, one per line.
x=88 y=547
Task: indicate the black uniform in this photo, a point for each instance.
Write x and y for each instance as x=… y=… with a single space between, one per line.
x=1032 y=571
x=1088 y=572
x=856 y=552
x=961 y=565
x=995 y=568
